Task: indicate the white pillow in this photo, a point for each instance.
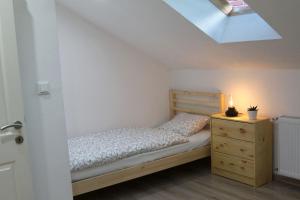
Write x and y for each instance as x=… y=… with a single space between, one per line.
x=186 y=124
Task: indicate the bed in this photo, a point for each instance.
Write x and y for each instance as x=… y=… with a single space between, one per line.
x=171 y=152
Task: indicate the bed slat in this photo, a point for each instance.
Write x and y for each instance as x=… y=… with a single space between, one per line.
x=204 y=103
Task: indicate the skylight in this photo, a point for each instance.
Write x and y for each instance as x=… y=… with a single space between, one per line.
x=225 y=21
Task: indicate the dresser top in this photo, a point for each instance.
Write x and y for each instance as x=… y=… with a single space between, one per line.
x=240 y=118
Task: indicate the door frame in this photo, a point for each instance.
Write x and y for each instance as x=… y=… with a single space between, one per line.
x=44 y=115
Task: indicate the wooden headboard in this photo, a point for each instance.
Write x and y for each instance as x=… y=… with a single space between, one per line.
x=204 y=103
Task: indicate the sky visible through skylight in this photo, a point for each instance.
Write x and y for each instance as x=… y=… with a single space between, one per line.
x=238 y=4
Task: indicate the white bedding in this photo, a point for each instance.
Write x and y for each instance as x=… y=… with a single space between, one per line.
x=108 y=146
x=195 y=141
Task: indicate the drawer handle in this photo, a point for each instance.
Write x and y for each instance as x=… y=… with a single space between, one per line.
x=221 y=145
x=242 y=150
x=242 y=130
x=244 y=161
x=221 y=128
x=232 y=164
x=242 y=168
x=221 y=162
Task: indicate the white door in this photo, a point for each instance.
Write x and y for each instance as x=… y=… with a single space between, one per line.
x=15 y=178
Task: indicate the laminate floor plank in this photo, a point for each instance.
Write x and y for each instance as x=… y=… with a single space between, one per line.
x=192 y=181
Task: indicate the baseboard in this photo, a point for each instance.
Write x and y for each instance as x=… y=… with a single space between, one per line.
x=288 y=180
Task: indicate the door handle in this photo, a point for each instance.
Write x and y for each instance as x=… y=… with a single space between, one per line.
x=17 y=125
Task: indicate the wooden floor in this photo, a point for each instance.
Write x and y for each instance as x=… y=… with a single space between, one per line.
x=192 y=181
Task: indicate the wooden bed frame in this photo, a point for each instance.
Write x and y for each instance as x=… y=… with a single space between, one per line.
x=205 y=103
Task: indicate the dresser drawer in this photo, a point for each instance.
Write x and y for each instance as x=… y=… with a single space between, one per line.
x=237 y=130
x=234 y=147
x=233 y=164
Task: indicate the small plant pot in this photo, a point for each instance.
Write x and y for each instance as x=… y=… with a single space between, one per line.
x=252 y=115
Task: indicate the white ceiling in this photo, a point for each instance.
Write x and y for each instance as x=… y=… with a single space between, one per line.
x=156 y=29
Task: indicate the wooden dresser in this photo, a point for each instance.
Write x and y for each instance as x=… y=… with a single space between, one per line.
x=242 y=149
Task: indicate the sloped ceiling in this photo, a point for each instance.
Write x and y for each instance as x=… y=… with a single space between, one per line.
x=156 y=29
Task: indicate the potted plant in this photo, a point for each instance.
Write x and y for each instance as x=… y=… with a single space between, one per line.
x=252 y=112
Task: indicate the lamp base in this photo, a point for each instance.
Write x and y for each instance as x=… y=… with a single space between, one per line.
x=231 y=112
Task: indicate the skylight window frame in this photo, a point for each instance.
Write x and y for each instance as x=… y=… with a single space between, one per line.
x=220 y=27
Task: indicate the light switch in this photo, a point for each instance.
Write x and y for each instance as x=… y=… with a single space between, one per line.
x=43 y=88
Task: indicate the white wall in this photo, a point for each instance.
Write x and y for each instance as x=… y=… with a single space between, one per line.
x=275 y=91
x=107 y=83
x=44 y=116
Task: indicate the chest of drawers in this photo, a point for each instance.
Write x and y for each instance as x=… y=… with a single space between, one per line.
x=242 y=149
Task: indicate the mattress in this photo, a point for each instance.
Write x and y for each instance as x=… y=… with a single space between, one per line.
x=195 y=141
x=96 y=150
